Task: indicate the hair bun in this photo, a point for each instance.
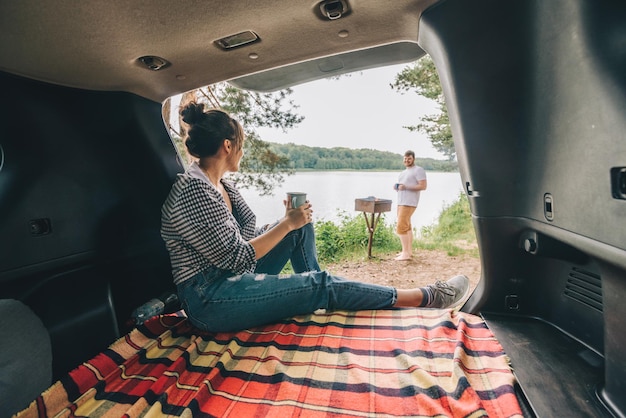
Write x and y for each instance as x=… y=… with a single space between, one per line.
x=192 y=112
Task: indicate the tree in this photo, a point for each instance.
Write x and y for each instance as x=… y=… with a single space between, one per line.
x=422 y=77
x=261 y=168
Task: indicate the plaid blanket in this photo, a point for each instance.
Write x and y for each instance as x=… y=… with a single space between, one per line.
x=406 y=362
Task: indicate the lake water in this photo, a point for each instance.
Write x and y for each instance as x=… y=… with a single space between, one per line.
x=331 y=192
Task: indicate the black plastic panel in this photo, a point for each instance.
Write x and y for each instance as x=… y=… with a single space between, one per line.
x=92 y=167
x=536 y=92
x=83 y=177
x=547 y=362
x=76 y=307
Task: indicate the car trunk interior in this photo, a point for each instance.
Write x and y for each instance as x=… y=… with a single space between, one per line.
x=536 y=94
x=537 y=134
x=84 y=176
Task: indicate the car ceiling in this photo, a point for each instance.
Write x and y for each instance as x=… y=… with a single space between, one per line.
x=96 y=45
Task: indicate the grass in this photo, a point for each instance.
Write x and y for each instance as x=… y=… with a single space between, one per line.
x=453 y=232
x=348 y=239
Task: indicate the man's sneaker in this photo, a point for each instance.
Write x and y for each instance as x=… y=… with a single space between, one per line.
x=448 y=294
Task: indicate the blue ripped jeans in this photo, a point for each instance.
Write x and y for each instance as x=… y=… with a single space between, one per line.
x=217 y=301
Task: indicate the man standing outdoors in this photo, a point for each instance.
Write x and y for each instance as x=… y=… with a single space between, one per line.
x=410 y=183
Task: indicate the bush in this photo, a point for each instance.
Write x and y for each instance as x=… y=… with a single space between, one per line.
x=453 y=232
x=350 y=237
x=328 y=240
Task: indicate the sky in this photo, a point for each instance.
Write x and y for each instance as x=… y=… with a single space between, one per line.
x=359 y=111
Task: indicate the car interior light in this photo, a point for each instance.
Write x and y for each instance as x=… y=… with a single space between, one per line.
x=154 y=63
x=237 y=40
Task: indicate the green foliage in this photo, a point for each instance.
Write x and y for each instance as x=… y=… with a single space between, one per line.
x=302 y=157
x=261 y=168
x=258 y=109
x=264 y=164
x=453 y=232
x=264 y=170
x=422 y=77
x=329 y=243
x=349 y=237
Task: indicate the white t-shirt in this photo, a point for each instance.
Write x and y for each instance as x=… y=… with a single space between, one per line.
x=410 y=177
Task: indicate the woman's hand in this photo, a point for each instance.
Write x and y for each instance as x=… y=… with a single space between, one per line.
x=293 y=219
x=300 y=216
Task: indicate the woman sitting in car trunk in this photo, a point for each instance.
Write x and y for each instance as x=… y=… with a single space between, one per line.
x=226 y=269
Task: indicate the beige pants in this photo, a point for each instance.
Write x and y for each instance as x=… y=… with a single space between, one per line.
x=404 y=219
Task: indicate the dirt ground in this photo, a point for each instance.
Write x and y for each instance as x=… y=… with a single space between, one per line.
x=424 y=268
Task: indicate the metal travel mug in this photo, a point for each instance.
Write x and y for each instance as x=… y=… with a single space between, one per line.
x=296 y=199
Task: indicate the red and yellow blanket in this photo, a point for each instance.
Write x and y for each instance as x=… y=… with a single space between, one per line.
x=409 y=362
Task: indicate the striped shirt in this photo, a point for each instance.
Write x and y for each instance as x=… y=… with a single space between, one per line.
x=200 y=231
